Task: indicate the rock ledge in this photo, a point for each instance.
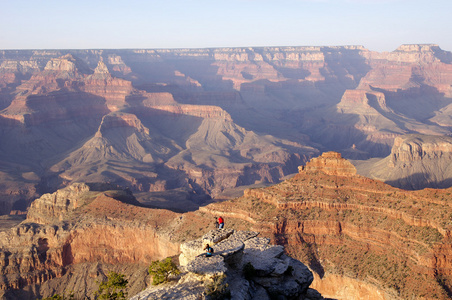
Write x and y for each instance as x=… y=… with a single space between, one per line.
x=273 y=274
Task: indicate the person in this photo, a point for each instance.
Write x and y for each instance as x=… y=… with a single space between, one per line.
x=220 y=222
x=209 y=250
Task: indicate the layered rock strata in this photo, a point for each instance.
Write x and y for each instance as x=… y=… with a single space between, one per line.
x=380 y=241
x=359 y=237
x=220 y=118
x=80 y=226
x=330 y=163
x=415 y=162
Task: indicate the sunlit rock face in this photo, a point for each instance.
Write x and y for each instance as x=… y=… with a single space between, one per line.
x=273 y=273
x=76 y=228
x=203 y=123
x=347 y=228
x=350 y=230
x=416 y=161
x=330 y=163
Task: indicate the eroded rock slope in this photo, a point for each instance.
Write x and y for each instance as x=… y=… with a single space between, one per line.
x=203 y=121
x=361 y=238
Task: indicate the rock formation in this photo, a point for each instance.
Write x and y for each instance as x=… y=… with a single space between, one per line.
x=270 y=272
x=359 y=237
x=416 y=161
x=330 y=163
x=70 y=232
x=215 y=119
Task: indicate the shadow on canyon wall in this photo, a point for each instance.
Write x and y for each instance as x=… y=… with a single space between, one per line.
x=417 y=103
x=419 y=181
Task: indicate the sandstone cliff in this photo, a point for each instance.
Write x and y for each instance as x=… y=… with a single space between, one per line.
x=79 y=230
x=360 y=237
x=416 y=162
x=330 y=163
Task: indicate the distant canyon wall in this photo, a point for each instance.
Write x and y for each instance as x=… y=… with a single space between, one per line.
x=208 y=120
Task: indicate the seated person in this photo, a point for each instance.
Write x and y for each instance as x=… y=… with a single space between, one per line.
x=209 y=250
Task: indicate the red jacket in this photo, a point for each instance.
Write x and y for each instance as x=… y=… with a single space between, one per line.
x=220 y=220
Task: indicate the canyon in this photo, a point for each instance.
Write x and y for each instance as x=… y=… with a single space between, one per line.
x=339 y=154
x=360 y=238
x=185 y=126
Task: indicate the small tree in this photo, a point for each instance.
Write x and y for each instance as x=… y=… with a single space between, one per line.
x=59 y=297
x=113 y=288
x=217 y=289
x=162 y=270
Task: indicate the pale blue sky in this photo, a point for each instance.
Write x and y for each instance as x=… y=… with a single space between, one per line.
x=380 y=25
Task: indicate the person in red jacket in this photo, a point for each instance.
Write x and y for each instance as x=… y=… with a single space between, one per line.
x=220 y=222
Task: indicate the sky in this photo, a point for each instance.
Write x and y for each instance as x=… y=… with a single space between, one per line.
x=378 y=25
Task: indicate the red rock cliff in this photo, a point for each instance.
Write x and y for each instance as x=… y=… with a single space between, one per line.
x=379 y=240
x=78 y=225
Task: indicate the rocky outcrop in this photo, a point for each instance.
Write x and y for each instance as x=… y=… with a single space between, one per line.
x=253 y=269
x=113 y=90
x=52 y=208
x=350 y=230
x=410 y=148
x=360 y=102
x=416 y=161
x=330 y=163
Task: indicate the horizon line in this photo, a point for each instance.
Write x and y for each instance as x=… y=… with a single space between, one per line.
x=219 y=47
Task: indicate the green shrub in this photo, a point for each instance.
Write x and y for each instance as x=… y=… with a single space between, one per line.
x=59 y=297
x=217 y=289
x=113 y=288
x=162 y=270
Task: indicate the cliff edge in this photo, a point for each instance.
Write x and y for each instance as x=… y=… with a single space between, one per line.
x=253 y=269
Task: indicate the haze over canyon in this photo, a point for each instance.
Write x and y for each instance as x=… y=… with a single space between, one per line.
x=180 y=129
x=201 y=121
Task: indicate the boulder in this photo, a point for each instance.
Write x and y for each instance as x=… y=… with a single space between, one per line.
x=216 y=236
x=262 y=256
x=189 y=251
x=203 y=265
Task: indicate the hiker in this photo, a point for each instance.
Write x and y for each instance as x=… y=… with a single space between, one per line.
x=220 y=222
x=209 y=250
